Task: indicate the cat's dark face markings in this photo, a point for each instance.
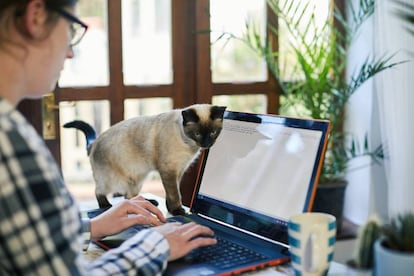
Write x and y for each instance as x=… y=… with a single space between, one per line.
x=203 y=125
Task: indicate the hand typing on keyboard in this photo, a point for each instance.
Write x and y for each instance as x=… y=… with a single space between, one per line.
x=121 y=216
x=183 y=238
x=224 y=254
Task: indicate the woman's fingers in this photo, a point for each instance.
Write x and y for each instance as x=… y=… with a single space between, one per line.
x=191 y=230
x=147 y=219
x=183 y=238
x=141 y=202
x=126 y=214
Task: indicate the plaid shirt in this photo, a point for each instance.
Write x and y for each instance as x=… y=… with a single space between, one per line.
x=40 y=224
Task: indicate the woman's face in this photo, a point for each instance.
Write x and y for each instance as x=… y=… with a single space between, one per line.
x=49 y=57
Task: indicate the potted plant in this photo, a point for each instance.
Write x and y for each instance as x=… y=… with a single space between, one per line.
x=319 y=87
x=394 y=251
x=363 y=261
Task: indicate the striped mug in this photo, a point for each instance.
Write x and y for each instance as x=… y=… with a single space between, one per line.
x=311 y=243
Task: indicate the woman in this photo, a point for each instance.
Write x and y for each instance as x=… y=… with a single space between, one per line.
x=40 y=226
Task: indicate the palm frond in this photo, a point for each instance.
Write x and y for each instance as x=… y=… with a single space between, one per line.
x=369 y=69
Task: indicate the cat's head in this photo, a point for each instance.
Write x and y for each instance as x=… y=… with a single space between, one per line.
x=203 y=123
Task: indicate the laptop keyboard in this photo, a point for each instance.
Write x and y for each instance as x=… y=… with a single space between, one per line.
x=224 y=254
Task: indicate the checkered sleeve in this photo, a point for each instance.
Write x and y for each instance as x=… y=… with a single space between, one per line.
x=144 y=254
x=40 y=224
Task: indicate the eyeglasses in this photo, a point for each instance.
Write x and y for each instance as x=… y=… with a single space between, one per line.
x=77 y=27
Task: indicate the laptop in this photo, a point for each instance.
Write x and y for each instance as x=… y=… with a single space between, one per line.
x=262 y=170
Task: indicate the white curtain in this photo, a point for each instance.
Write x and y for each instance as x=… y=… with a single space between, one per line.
x=383 y=108
x=359 y=118
x=395 y=94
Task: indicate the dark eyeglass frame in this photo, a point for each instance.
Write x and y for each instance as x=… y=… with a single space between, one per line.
x=73 y=19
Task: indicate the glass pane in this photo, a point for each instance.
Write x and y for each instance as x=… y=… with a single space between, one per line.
x=146 y=44
x=311 y=23
x=231 y=60
x=243 y=103
x=75 y=162
x=89 y=66
x=151 y=106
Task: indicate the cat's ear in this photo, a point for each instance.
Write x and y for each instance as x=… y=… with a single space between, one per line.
x=217 y=112
x=189 y=115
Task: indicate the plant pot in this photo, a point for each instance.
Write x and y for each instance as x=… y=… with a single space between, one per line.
x=352 y=270
x=329 y=198
x=391 y=262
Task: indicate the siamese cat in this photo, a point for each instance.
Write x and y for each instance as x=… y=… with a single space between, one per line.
x=123 y=156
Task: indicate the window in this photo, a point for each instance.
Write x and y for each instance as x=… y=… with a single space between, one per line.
x=144 y=57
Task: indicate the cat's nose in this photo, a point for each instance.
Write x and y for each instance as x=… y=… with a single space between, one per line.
x=206 y=144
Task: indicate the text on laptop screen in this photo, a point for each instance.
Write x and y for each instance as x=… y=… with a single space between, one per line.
x=266 y=165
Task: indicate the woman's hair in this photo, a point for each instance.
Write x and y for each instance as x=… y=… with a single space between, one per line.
x=10 y=10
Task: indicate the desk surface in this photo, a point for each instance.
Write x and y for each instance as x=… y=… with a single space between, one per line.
x=94 y=251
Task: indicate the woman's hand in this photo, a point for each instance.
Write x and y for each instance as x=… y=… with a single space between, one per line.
x=127 y=213
x=183 y=238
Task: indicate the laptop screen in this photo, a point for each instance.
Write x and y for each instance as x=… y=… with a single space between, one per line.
x=261 y=170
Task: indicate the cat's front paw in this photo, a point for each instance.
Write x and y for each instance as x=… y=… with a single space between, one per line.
x=178 y=211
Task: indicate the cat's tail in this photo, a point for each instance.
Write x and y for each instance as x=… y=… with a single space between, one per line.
x=87 y=129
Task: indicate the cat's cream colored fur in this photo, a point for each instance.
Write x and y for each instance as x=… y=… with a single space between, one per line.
x=169 y=142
